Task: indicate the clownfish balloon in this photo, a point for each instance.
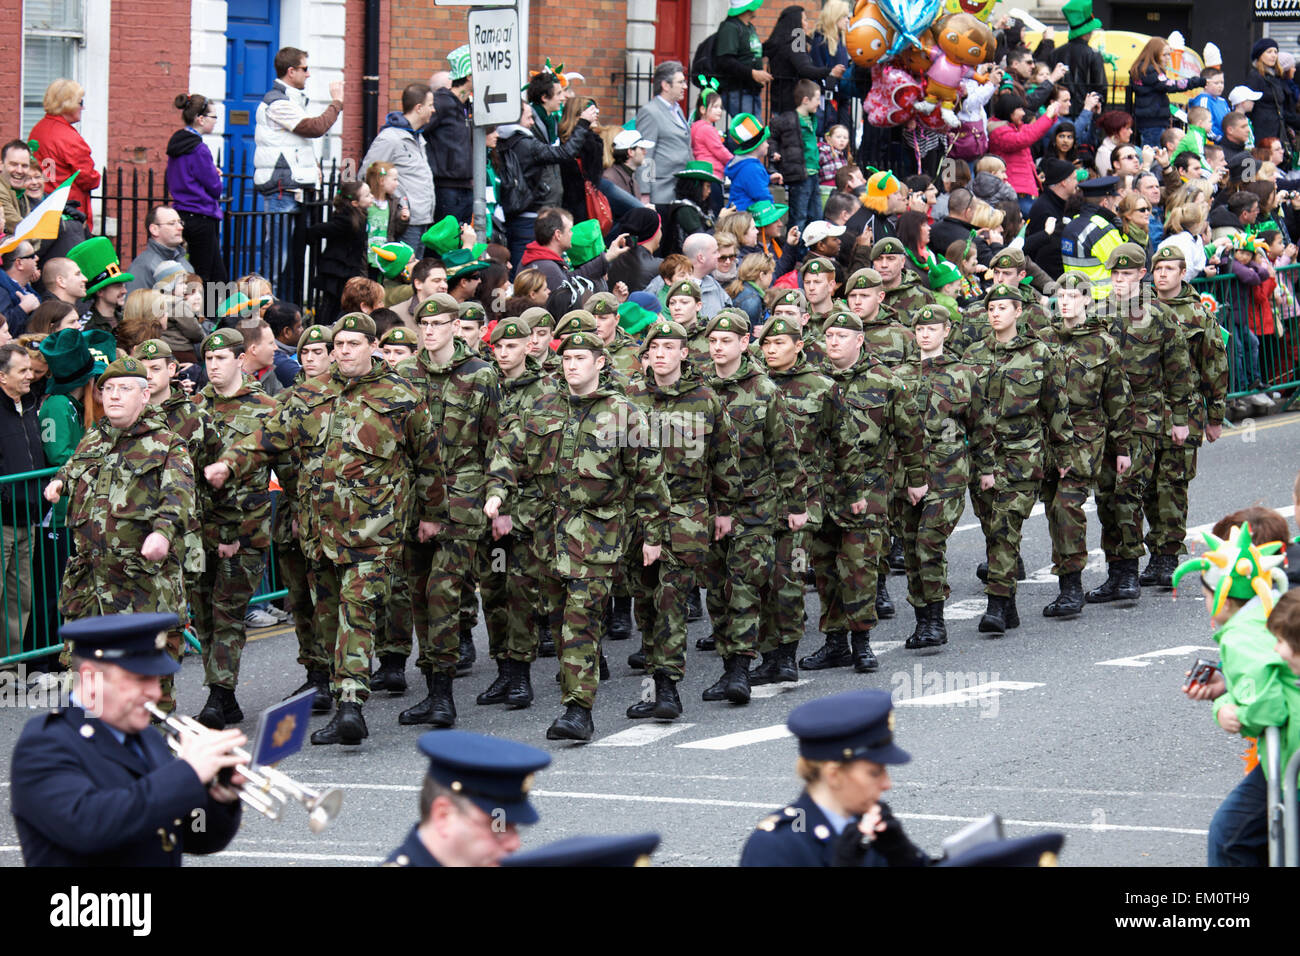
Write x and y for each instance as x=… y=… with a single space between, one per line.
x=869 y=34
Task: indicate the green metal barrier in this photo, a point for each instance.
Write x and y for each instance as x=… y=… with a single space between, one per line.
x=33 y=554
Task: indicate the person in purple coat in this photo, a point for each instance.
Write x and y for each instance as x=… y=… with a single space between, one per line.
x=194 y=182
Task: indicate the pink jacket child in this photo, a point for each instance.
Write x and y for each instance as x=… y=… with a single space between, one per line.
x=1010 y=141
x=706 y=144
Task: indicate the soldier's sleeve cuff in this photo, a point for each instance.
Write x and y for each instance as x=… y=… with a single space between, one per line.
x=917 y=477
x=163 y=527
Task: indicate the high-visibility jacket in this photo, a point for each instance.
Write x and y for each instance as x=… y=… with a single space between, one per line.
x=1087 y=242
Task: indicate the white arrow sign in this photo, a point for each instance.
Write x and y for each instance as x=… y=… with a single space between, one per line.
x=495 y=65
x=1137 y=659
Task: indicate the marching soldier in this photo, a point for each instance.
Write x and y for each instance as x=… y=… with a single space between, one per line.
x=818 y=277
x=539 y=346
x=904 y=291
x=620 y=347
x=369 y=446
x=399 y=344
x=1007 y=268
x=684 y=303
x=793 y=307
x=469 y=325
x=1092 y=237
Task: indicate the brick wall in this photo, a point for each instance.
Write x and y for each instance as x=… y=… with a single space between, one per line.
x=587 y=36
x=146 y=73
x=354 y=69
x=11 y=106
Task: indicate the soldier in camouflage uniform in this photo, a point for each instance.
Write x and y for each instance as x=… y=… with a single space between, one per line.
x=811 y=401
x=539 y=346
x=817 y=274
x=469 y=326
x=368 y=446
x=130 y=484
x=958 y=442
x=1006 y=268
x=571 y=446
x=398 y=345
x=878 y=421
x=463 y=396
x=1165 y=502
x=1154 y=352
x=1024 y=385
x=236 y=529
x=621 y=347
x=905 y=293
x=774 y=492
x=697 y=445
x=1101 y=416
x=683 y=304
x=793 y=307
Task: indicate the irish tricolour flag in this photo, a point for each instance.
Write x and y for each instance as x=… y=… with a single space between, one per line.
x=43 y=221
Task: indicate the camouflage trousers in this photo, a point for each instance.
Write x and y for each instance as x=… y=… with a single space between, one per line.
x=783 y=610
x=443 y=580
x=660 y=592
x=1063 y=499
x=847 y=561
x=1012 y=503
x=738 y=574
x=582 y=608
x=220 y=596
x=351 y=602
x=1165 y=501
x=509 y=582
x=1119 y=499
x=467 y=618
x=926 y=529
x=292 y=565
x=176 y=648
x=981 y=503
x=895 y=504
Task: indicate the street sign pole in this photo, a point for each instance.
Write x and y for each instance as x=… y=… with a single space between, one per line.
x=479 y=140
x=496 y=50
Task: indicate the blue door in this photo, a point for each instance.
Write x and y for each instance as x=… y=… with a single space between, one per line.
x=252 y=39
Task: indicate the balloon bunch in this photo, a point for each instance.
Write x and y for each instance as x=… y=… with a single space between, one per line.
x=919 y=58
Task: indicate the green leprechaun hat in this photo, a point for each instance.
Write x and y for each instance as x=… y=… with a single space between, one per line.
x=766 y=212
x=394 y=259
x=748 y=133
x=76 y=357
x=941 y=273
x=640 y=310
x=443 y=236
x=587 y=244
x=98 y=262
x=1078 y=14
x=699 y=169
x=1239 y=568
x=461 y=262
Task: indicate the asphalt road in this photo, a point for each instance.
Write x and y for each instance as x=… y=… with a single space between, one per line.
x=1075 y=726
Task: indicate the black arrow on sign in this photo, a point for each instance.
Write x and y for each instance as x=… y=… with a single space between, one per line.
x=493 y=98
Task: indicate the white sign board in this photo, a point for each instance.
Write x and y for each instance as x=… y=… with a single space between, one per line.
x=473 y=3
x=496 y=66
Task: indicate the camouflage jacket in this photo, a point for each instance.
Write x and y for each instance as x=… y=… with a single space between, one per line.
x=697 y=351
x=123 y=485
x=623 y=353
x=773 y=480
x=812 y=403
x=958 y=423
x=1208 y=368
x=288 y=468
x=1101 y=404
x=191 y=421
x=589 y=480
x=1156 y=363
x=888 y=340
x=697 y=444
x=518 y=398
x=974 y=324
x=239 y=512
x=814 y=342
x=908 y=297
x=367 y=445
x=1024 y=385
x=463 y=399
x=878 y=414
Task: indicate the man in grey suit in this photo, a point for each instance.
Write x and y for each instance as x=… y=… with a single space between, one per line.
x=661 y=121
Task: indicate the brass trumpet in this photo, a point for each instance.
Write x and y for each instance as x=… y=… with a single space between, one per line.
x=265 y=789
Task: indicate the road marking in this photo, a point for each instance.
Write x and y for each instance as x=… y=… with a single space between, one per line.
x=1289 y=420
x=1137 y=659
x=776 y=690
x=965 y=695
x=742 y=739
x=966 y=610
x=314 y=857
x=1096 y=558
x=641 y=735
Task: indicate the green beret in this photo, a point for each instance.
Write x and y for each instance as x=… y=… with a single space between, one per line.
x=728 y=320
x=356 y=322
x=841 y=319
x=602 y=303
x=665 y=330
x=511 y=329
x=1004 y=291
x=222 y=339
x=440 y=303
x=781 y=326
x=473 y=312
x=582 y=340
x=793 y=297
x=153 y=349
x=935 y=314
x=537 y=318
x=1127 y=256
x=1008 y=259
x=400 y=335
x=1075 y=281
x=685 y=287
x=124 y=367
x=315 y=335
x=579 y=320
x=889 y=246
x=864 y=279
x=817 y=265
x=1170 y=253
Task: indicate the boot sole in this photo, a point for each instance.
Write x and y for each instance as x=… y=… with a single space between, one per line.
x=991 y=628
x=737 y=698
x=823 y=666
x=1063 y=615
x=519 y=704
x=553 y=734
x=858 y=669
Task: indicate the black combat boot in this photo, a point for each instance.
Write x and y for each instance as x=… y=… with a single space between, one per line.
x=545 y=639
x=834 y=653
x=737 y=686
x=709 y=643
x=438 y=709
x=937 y=635
x=694 y=606
x=884 y=606
x=604 y=667
x=496 y=691
x=668 y=706
x=765 y=673
x=1069 y=603
x=636 y=660
x=1011 y=615
x=1129 y=588
x=574 y=724
x=391 y=675
x=994 y=620
x=913 y=641
x=897 y=563
x=1109 y=589
x=468 y=655
x=925 y=635
x=620 y=625
x=519 y=693
x=864 y=659
x=319 y=681
x=213 y=713
x=787 y=671
x=346 y=727
x=1165 y=571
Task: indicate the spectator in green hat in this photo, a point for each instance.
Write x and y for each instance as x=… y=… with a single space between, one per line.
x=560 y=249
x=688 y=213
x=750 y=180
x=75 y=359
x=738 y=59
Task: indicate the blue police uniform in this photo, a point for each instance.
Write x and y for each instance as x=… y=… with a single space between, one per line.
x=412 y=852
x=1042 y=849
x=631 y=850
x=857 y=725
x=84 y=793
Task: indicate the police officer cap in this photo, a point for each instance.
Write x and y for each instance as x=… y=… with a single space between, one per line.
x=473 y=312
x=889 y=246
x=781 y=326
x=1100 y=187
x=579 y=320
x=222 y=339
x=632 y=850
x=856 y=725
x=511 y=329
x=665 y=329
x=686 y=287
x=1042 y=849
x=1169 y=254
x=728 y=320
x=1009 y=259
x=1129 y=255
x=1003 y=291
x=315 y=335
x=817 y=265
x=582 y=340
x=864 y=279
x=602 y=303
x=134 y=642
x=934 y=314
x=843 y=319
x=793 y=297
x=153 y=349
x=125 y=367
x=492 y=773
x=440 y=303
x=400 y=335
x=356 y=322
x=538 y=318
